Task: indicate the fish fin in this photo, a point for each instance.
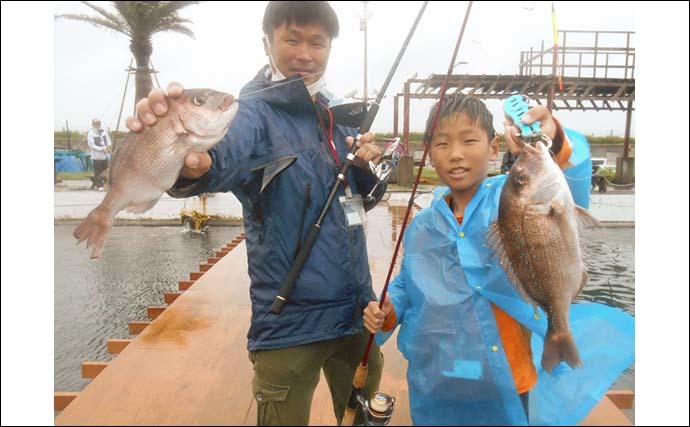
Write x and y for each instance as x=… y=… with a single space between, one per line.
x=559 y=346
x=142 y=207
x=558 y=214
x=493 y=237
x=495 y=242
x=178 y=125
x=585 y=219
x=512 y=276
x=94 y=230
x=585 y=279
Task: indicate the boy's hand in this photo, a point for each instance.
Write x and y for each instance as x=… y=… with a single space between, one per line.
x=374 y=317
x=367 y=150
x=538 y=113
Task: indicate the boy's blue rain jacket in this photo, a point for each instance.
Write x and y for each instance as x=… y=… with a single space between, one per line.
x=458 y=373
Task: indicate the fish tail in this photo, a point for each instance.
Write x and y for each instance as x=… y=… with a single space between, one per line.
x=559 y=346
x=94 y=229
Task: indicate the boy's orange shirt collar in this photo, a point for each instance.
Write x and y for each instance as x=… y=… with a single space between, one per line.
x=566 y=150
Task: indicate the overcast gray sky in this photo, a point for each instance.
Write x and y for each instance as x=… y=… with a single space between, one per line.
x=227 y=52
x=87 y=77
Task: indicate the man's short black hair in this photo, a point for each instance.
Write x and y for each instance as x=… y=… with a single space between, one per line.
x=300 y=12
x=460 y=103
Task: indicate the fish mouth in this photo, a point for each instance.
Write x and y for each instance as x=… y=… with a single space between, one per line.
x=533 y=149
x=226 y=102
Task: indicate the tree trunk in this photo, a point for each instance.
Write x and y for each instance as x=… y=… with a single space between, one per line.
x=142 y=50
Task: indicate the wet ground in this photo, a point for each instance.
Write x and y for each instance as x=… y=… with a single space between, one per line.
x=95 y=300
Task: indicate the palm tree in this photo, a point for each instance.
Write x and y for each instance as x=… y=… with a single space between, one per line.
x=139 y=20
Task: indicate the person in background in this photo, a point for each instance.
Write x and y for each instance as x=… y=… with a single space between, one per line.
x=99 y=143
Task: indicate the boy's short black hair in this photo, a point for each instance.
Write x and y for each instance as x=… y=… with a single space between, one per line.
x=300 y=12
x=461 y=103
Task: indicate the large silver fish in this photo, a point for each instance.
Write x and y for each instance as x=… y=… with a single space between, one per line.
x=536 y=239
x=148 y=163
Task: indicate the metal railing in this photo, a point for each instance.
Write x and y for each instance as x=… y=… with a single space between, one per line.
x=595 y=54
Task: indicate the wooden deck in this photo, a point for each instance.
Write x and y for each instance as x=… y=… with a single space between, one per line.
x=190 y=365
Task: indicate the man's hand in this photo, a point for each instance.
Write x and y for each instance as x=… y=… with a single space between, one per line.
x=538 y=113
x=148 y=109
x=367 y=151
x=374 y=317
x=196 y=165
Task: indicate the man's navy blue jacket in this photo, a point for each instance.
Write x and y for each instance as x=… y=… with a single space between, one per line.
x=274 y=149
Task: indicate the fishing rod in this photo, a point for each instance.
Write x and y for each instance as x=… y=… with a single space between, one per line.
x=361 y=372
x=289 y=282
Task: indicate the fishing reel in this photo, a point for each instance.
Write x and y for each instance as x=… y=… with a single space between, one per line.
x=514 y=108
x=392 y=152
x=378 y=409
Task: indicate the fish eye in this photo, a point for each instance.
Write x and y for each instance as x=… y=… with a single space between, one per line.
x=199 y=100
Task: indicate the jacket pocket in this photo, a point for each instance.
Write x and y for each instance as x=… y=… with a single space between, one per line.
x=271 y=402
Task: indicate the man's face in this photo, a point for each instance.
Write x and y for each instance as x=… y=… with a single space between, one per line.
x=96 y=125
x=300 y=50
x=460 y=152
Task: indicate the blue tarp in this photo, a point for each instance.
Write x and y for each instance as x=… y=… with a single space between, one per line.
x=69 y=163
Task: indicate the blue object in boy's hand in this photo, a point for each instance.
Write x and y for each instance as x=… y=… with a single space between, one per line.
x=514 y=108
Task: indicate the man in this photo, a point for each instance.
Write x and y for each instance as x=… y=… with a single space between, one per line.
x=98 y=141
x=280 y=157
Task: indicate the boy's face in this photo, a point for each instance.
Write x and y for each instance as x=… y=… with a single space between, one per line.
x=300 y=50
x=460 y=152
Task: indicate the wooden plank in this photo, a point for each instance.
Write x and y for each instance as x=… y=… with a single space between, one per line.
x=205 y=267
x=115 y=346
x=623 y=399
x=196 y=275
x=221 y=253
x=136 y=327
x=183 y=285
x=63 y=398
x=213 y=260
x=92 y=369
x=606 y=414
x=170 y=297
x=154 y=311
x=189 y=367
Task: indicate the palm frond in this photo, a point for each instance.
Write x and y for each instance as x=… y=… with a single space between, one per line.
x=108 y=15
x=179 y=28
x=97 y=22
x=173 y=23
x=171 y=7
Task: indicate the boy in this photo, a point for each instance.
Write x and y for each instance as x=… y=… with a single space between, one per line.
x=464 y=330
